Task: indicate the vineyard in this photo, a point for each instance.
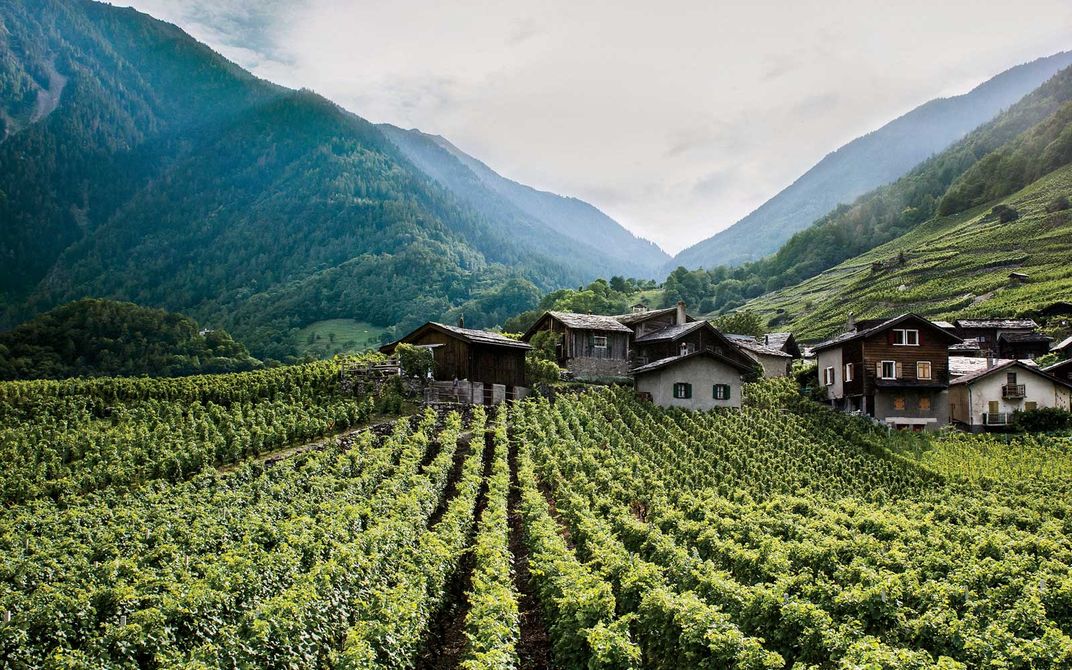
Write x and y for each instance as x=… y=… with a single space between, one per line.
x=147 y=525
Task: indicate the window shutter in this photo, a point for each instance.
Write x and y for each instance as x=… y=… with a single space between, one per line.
x=725 y=391
x=688 y=390
x=878 y=369
x=899 y=367
x=889 y=337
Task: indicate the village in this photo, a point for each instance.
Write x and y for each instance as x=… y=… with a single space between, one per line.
x=906 y=372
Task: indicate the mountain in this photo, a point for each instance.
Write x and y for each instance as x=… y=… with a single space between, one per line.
x=575 y=232
x=893 y=210
x=90 y=338
x=138 y=164
x=958 y=265
x=867 y=162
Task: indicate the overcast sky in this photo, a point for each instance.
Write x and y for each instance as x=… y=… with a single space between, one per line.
x=676 y=118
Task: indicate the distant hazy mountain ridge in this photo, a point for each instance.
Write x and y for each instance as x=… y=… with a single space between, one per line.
x=877 y=158
x=574 y=231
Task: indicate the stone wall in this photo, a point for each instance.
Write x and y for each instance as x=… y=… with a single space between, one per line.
x=584 y=368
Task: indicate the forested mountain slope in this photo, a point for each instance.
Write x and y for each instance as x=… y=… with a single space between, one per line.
x=100 y=337
x=574 y=232
x=138 y=164
x=867 y=162
x=948 y=267
x=891 y=211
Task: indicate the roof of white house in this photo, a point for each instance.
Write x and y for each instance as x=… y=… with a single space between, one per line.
x=1003 y=366
x=674 y=360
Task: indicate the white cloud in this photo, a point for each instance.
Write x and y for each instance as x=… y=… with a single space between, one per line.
x=676 y=118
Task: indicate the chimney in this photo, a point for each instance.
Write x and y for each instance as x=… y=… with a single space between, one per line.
x=681 y=317
x=851 y=325
x=461 y=321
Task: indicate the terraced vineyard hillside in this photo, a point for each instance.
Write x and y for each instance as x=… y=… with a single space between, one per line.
x=948 y=267
x=592 y=532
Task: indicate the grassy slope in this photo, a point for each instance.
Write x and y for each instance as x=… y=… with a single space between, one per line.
x=350 y=337
x=955 y=266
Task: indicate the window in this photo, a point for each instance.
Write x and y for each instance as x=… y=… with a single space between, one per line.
x=905 y=338
x=925 y=403
x=828 y=376
x=1010 y=378
x=721 y=391
x=1030 y=406
x=993 y=406
x=899 y=402
x=848 y=372
x=685 y=348
x=599 y=341
x=887 y=370
x=682 y=391
x=923 y=369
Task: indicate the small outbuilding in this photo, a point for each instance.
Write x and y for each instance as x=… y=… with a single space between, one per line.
x=987 y=399
x=700 y=380
x=487 y=366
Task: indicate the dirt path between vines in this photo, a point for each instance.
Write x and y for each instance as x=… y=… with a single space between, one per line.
x=319 y=444
x=445 y=638
x=534 y=647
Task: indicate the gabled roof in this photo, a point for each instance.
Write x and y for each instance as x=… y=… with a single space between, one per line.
x=998 y=323
x=674 y=360
x=1024 y=337
x=469 y=335
x=671 y=333
x=581 y=322
x=1059 y=367
x=637 y=317
x=1063 y=344
x=757 y=348
x=964 y=365
x=885 y=325
x=945 y=325
x=1005 y=365
x=967 y=344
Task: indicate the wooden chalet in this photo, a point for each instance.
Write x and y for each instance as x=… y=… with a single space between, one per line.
x=896 y=371
x=589 y=345
x=684 y=339
x=1009 y=338
x=472 y=356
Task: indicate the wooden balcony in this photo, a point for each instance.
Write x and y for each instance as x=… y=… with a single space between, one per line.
x=1013 y=391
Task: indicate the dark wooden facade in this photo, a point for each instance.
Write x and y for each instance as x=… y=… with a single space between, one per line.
x=1062 y=370
x=700 y=339
x=580 y=342
x=470 y=355
x=869 y=353
x=904 y=399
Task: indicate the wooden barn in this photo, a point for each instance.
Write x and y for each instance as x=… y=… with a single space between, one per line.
x=470 y=355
